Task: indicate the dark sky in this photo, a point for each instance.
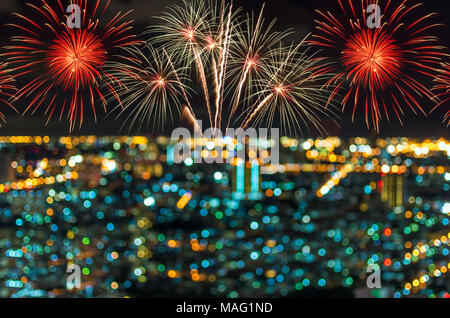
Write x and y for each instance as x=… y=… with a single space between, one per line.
x=297 y=14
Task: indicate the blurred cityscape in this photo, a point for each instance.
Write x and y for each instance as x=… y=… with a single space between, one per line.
x=139 y=225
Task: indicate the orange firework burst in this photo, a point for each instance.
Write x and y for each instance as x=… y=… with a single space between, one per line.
x=7 y=87
x=63 y=65
x=380 y=69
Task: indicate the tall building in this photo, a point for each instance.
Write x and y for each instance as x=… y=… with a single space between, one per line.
x=6 y=171
x=247 y=180
x=393 y=189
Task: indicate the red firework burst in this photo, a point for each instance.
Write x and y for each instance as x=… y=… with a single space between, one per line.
x=372 y=60
x=73 y=61
x=380 y=69
x=7 y=88
x=64 y=67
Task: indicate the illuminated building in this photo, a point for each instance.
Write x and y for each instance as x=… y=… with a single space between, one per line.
x=393 y=190
x=247 y=180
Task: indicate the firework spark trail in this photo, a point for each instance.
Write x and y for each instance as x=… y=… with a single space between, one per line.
x=442 y=89
x=201 y=70
x=188 y=111
x=381 y=65
x=7 y=88
x=249 y=63
x=257 y=111
x=188 y=114
x=66 y=63
x=177 y=76
x=224 y=58
x=216 y=70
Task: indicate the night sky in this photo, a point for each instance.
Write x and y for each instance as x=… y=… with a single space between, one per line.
x=296 y=14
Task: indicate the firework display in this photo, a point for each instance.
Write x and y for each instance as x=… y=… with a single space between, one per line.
x=70 y=61
x=240 y=64
x=380 y=68
x=62 y=65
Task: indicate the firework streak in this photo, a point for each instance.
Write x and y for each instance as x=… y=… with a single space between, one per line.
x=7 y=88
x=443 y=89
